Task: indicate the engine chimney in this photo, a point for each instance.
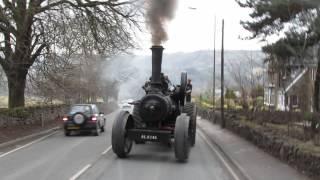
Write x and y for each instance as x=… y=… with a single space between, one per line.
x=156 y=66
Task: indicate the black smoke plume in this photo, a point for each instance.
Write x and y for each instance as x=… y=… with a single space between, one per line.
x=158 y=13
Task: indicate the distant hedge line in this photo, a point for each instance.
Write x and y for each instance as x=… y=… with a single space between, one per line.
x=24 y=112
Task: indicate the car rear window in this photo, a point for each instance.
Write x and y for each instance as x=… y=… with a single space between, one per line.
x=83 y=109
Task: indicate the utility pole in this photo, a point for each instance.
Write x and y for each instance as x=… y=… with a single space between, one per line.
x=223 y=123
x=214 y=65
x=80 y=89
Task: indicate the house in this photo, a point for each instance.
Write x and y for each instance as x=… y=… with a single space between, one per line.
x=290 y=85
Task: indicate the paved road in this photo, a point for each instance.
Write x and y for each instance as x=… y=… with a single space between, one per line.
x=56 y=157
x=60 y=157
x=91 y=158
x=157 y=162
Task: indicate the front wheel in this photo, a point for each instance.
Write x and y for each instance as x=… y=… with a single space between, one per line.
x=181 y=138
x=103 y=127
x=97 y=130
x=121 y=144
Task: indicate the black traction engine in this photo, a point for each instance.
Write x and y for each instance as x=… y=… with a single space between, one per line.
x=160 y=116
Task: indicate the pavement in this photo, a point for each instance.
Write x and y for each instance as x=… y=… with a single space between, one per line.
x=254 y=163
x=88 y=157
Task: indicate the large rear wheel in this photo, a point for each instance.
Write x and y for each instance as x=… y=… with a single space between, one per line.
x=121 y=144
x=191 y=110
x=181 y=138
x=183 y=87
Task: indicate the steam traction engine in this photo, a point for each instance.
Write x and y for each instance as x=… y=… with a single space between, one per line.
x=160 y=116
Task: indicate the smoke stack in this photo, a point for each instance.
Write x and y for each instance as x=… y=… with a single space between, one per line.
x=156 y=65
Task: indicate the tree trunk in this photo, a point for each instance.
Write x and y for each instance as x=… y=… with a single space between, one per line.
x=316 y=97
x=316 y=86
x=16 y=86
x=316 y=92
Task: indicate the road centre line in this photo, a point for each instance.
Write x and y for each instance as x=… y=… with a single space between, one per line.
x=88 y=166
x=107 y=150
x=79 y=173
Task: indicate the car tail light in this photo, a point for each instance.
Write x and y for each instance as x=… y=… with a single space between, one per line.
x=65 y=118
x=94 y=118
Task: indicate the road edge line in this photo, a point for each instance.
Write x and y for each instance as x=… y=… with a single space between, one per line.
x=27 y=145
x=218 y=153
x=17 y=140
x=229 y=158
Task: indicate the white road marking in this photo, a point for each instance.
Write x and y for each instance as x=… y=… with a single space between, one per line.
x=107 y=150
x=88 y=166
x=27 y=145
x=234 y=174
x=79 y=173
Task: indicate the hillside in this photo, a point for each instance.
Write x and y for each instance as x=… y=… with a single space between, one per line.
x=132 y=71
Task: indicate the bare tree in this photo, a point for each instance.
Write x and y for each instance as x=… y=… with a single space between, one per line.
x=32 y=30
x=247 y=74
x=80 y=80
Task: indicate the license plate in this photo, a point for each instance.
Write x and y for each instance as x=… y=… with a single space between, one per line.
x=73 y=127
x=148 y=137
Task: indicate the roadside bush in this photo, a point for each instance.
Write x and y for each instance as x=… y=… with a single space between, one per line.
x=230 y=94
x=16 y=112
x=25 y=112
x=231 y=104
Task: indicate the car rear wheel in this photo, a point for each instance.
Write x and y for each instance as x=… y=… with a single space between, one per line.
x=67 y=133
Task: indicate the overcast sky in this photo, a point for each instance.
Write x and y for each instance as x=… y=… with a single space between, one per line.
x=192 y=29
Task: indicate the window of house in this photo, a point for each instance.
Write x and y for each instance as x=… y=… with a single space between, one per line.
x=313 y=74
x=294 y=100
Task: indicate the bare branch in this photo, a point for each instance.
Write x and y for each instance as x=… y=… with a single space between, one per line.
x=80 y=4
x=37 y=53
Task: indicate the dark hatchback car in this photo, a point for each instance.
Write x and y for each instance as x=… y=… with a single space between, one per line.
x=84 y=118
